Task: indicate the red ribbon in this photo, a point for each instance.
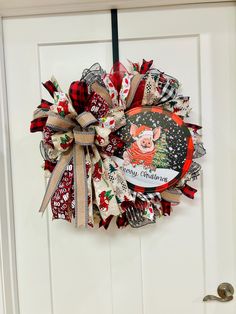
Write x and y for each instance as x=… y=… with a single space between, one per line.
x=78 y=93
x=195 y=127
x=188 y=191
x=146 y=65
x=166 y=207
x=105 y=223
x=50 y=87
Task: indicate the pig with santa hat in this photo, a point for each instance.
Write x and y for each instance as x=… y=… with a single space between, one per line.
x=143 y=150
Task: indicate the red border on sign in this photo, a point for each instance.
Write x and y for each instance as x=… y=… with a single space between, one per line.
x=189 y=155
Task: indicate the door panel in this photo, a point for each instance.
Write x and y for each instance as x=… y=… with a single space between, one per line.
x=165 y=251
x=59 y=267
x=165 y=268
x=195 y=251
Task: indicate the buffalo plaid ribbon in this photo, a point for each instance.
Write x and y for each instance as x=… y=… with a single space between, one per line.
x=38 y=124
x=78 y=93
x=166 y=207
x=50 y=87
x=188 y=191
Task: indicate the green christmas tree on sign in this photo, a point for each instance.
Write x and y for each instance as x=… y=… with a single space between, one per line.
x=160 y=159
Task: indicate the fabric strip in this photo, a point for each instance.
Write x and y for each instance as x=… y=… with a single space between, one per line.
x=172 y=196
x=133 y=87
x=102 y=92
x=85 y=119
x=80 y=186
x=56 y=121
x=55 y=178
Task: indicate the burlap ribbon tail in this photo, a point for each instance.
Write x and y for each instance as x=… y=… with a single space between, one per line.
x=82 y=138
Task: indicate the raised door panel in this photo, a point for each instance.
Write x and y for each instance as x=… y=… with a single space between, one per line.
x=186 y=256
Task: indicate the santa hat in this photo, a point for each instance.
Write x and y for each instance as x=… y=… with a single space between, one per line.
x=143 y=130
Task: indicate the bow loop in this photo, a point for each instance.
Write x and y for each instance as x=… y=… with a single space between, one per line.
x=56 y=122
x=85 y=119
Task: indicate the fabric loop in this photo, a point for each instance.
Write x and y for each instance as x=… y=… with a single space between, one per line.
x=56 y=122
x=85 y=119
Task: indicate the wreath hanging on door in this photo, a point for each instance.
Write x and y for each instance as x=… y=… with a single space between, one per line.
x=117 y=146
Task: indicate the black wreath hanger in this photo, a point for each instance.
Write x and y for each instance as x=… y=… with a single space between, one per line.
x=115 y=36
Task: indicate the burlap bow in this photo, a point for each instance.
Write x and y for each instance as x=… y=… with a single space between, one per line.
x=81 y=138
x=75 y=138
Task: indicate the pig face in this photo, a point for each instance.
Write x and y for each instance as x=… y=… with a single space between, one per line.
x=145 y=139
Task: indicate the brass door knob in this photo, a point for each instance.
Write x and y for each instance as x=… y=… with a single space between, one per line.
x=225 y=292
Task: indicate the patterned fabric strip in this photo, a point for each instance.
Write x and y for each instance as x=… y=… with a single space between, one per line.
x=78 y=93
x=188 y=191
x=48 y=165
x=61 y=201
x=171 y=195
x=80 y=189
x=100 y=90
x=37 y=125
x=50 y=87
x=112 y=91
x=89 y=170
x=45 y=105
x=55 y=179
x=137 y=100
x=133 y=89
x=146 y=65
x=166 y=207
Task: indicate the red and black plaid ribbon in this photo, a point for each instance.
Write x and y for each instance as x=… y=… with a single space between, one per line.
x=50 y=87
x=188 y=191
x=45 y=105
x=38 y=124
x=48 y=165
x=78 y=93
x=166 y=207
x=105 y=223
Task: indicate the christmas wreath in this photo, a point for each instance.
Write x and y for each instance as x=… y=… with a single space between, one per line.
x=117 y=146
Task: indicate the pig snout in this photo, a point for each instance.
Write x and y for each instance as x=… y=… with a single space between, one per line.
x=145 y=144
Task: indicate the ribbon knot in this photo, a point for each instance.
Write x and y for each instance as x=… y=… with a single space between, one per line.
x=84 y=137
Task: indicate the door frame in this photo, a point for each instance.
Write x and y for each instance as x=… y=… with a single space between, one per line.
x=8 y=268
x=8 y=265
x=94 y=5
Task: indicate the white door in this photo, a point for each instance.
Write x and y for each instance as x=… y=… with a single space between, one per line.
x=165 y=268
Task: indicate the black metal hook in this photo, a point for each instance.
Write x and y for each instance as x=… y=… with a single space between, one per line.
x=115 y=36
